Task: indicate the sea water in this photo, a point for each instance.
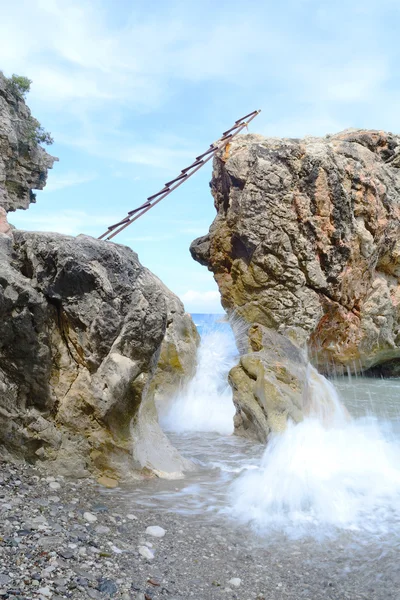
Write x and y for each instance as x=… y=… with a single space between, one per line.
x=319 y=504
x=317 y=479
x=205 y=405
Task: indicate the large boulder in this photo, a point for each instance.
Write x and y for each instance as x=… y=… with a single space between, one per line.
x=306 y=240
x=177 y=361
x=268 y=384
x=274 y=382
x=81 y=329
x=23 y=162
x=88 y=336
x=307 y=236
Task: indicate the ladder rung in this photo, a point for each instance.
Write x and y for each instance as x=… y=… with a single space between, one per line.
x=166 y=189
x=176 y=179
x=231 y=129
x=245 y=116
x=213 y=149
x=135 y=210
x=120 y=223
x=197 y=162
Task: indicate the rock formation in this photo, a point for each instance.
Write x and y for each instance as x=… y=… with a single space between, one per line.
x=268 y=384
x=176 y=363
x=23 y=163
x=5 y=227
x=81 y=328
x=306 y=243
x=88 y=336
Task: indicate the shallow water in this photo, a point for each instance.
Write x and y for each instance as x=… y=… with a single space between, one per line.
x=324 y=499
x=348 y=477
x=206 y=404
x=316 y=479
x=218 y=458
x=365 y=396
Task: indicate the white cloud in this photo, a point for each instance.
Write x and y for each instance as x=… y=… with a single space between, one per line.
x=352 y=82
x=149 y=238
x=59 y=181
x=76 y=54
x=68 y=222
x=202 y=302
x=159 y=153
x=198 y=231
x=93 y=63
x=102 y=66
x=303 y=125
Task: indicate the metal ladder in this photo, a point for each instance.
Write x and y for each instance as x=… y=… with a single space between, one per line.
x=184 y=175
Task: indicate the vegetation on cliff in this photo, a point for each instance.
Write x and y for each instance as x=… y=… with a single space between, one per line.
x=23 y=160
x=20 y=86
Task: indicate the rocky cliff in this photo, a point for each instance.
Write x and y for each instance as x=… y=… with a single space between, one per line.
x=23 y=162
x=82 y=324
x=88 y=336
x=306 y=243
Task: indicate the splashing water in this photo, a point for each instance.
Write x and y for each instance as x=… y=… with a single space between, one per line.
x=327 y=473
x=332 y=472
x=206 y=404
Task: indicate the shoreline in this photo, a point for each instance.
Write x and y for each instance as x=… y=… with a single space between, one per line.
x=66 y=539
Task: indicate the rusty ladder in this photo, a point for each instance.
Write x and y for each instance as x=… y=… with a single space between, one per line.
x=184 y=175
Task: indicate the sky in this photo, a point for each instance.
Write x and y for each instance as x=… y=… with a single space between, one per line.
x=133 y=90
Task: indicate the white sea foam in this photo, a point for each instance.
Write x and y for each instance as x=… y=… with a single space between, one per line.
x=206 y=404
x=323 y=474
x=329 y=473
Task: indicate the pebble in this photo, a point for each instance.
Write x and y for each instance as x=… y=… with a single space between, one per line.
x=60 y=581
x=89 y=517
x=156 y=531
x=107 y=482
x=146 y=552
x=108 y=586
x=66 y=554
x=54 y=485
x=102 y=529
x=193 y=561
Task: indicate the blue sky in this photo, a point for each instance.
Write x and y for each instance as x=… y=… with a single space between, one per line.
x=132 y=91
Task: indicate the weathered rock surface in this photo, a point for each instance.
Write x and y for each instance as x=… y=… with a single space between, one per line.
x=5 y=227
x=274 y=382
x=268 y=384
x=23 y=163
x=177 y=361
x=306 y=238
x=81 y=328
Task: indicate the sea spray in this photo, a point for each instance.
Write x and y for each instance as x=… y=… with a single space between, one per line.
x=206 y=404
x=321 y=399
x=327 y=473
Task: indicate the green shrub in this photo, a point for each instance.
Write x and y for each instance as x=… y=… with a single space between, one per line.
x=37 y=134
x=20 y=85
